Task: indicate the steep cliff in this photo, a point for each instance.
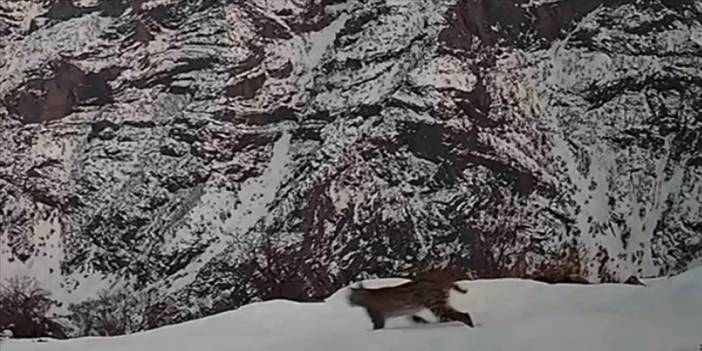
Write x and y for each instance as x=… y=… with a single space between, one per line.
x=219 y=152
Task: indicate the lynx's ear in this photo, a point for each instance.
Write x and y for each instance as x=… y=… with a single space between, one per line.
x=358 y=287
x=357 y=295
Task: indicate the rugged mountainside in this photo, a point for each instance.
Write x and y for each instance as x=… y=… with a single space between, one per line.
x=218 y=152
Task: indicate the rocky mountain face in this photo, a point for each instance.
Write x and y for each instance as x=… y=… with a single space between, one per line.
x=210 y=153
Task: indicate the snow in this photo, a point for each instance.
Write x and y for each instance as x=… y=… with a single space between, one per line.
x=609 y=183
x=341 y=196
x=313 y=47
x=447 y=72
x=48 y=233
x=696 y=34
x=538 y=3
x=255 y=195
x=147 y=5
x=643 y=229
x=510 y=314
x=389 y=52
x=20 y=14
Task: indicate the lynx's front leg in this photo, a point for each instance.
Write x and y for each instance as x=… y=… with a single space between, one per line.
x=377 y=318
x=447 y=314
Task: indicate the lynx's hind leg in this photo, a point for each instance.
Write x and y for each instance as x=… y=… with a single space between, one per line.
x=447 y=314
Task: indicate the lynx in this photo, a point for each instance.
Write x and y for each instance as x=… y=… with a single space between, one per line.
x=429 y=289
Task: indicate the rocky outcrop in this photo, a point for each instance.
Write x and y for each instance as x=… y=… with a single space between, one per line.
x=214 y=153
x=54 y=97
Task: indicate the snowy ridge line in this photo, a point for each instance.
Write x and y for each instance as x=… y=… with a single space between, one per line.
x=510 y=314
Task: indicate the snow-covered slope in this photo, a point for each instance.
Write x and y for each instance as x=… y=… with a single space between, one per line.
x=511 y=314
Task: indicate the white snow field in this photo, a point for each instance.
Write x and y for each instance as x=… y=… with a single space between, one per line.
x=511 y=315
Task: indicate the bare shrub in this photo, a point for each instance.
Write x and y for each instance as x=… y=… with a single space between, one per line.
x=498 y=236
x=567 y=267
x=24 y=306
x=112 y=312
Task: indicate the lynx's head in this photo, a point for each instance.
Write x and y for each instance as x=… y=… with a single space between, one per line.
x=358 y=296
x=444 y=275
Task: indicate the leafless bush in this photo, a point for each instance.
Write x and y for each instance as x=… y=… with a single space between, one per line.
x=113 y=312
x=567 y=266
x=498 y=236
x=24 y=306
x=504 y=242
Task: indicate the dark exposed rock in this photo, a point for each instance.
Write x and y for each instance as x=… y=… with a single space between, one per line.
x=247 y=87
x=571 y=279
x=142 y=33
x=282 y=72
x=509 y=21
x=64 y=9
x=426 y=141
x=313 y=19
x=277 y=115
x=56 y=96
x=113 y=8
